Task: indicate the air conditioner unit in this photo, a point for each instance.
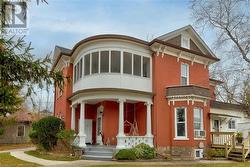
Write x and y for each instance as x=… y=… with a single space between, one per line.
x=199 y=134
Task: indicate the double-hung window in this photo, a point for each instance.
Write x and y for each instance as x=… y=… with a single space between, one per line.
x=198 y=119
x=180 y=123
x=231 y=124
x=184 y=74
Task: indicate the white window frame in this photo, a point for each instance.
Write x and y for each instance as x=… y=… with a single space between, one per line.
x=186 y=132
x=76 y=72
x=187 y=73
x=23 y=130
x=185 y=37
x=234 y=124
x=201 y=153
x=202 y=121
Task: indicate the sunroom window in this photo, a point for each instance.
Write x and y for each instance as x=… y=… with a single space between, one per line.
x=95 y=62
x=127 y=63
x=87 y=64
x=146 y=67
x=137 y=65
x=104 y=61
x=115 y=61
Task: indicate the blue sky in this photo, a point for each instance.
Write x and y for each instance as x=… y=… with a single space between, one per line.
x=64 y=22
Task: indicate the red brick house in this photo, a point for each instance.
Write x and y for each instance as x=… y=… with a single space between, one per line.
x=125 y=91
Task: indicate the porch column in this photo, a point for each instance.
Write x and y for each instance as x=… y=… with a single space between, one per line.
x=149 y=131
x=82 y=135
x=73 y=117
x=149 y=124
x=120 y=136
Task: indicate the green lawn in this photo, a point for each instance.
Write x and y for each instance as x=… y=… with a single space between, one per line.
x=187 y=165
x=48 y=156
x=6 y=160
x=14 y=146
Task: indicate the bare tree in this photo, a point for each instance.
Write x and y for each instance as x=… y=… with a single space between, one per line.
x=230 y=19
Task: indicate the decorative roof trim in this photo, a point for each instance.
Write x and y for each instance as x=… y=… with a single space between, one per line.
x=182 y=49
x=188 y=98
x=188 y=27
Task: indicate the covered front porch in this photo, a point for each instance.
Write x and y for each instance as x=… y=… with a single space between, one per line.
x=122 y=122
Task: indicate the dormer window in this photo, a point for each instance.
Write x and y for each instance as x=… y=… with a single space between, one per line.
x=185 y=41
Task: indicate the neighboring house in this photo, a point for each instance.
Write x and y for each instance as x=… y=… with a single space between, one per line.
x=18 y=125
x=126 y=91
x=16 y=128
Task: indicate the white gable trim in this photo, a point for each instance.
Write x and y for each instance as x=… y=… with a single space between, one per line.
x=194 y=33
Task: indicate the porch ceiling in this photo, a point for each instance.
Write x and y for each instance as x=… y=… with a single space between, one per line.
x=223 y=115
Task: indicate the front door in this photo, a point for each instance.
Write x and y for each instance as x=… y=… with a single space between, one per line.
x=88 y=130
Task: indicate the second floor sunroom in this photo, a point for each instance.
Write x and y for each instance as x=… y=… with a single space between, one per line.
x=113 y=61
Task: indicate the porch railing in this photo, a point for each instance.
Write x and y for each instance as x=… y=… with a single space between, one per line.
x=131 y=141
x=218 y=139
x=230 y=144
x=245 y=147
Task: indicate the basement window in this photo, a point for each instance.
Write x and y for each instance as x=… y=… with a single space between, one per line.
x=198 y=153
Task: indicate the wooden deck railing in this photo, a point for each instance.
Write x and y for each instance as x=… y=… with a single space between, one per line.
x=245 y=147
x=218 y=139
x=230 y=144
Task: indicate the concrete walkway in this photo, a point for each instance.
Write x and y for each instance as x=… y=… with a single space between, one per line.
x=25 y=157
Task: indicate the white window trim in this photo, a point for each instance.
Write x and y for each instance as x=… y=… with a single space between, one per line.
x=201 y=153
x=23 y=130
x=183 y=36
x=202 y=121
x=175 y=124
x=234 y=124
x=142 y=55
x=187 y=73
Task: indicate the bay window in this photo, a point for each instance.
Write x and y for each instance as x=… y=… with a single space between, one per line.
x=198 y=119
x=180 y=123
